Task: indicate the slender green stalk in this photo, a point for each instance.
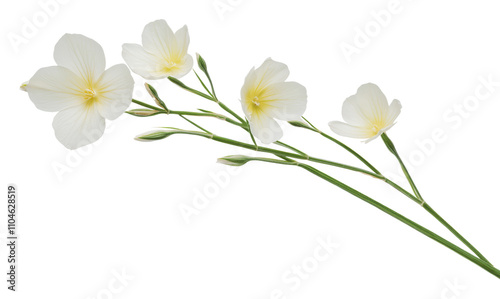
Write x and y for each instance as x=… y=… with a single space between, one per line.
x=195 y=124
x=483 y=264
x=402 y=190
x=480 y=262
x=292 y=155
x=350 y=150
x=418 y=199
x=148 y=106
x=184 y=86
x=287 y=161
x=204 y=114
x=291 y=147
x=450 y=228
x=393 y=150
x=206 y=96
x=390 y=145
x=264 y=149
x=227 y=109
x=215 y=115
x=271 y=151
x=203 y=84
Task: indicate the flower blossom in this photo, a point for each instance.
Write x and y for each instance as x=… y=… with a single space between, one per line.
x=265 y=96
x=367 y=114
x=81 y=90
x=162 y=53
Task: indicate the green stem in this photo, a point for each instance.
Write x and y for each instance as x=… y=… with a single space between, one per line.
x=227 y=109
x=184 y=86
x=203 y=84
x=486 y=266
x=204 y=114
x=148 y=106
x=481 y=263
x=390 y=145
x=455 y=232
x=195 y=124
x=393 y=150
x=350 y=150
x=402 y=190
x=291 y=147
x=292 y=155
x=215 y=115
x=273 y=151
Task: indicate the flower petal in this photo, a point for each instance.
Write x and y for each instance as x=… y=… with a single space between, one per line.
x=285 y=100
x=143 y=63
x=265 y=128
x=370 y=103
x=82 y=55
x=78 y=126
x=248 y=84
x=115 y=88
x=182 y=38
x=393 y=112
x=352 y=112
x=159 y=39
x=55 y=88
x=348 y=130
x=270 y=72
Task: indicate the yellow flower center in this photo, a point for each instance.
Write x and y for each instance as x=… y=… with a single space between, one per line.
x=377 y=125
x=255 y=101
x=258 y=101
x=90 y=96
x=169 y=65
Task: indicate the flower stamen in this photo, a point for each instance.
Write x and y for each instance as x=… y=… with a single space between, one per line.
x=255 y=101
x=90 y=96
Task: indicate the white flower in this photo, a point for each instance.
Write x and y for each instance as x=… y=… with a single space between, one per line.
x=367 y=114
x=81 y=90
x=265 y=96
x=162 y=53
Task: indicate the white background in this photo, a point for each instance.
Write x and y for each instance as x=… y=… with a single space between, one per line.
x=114 y=206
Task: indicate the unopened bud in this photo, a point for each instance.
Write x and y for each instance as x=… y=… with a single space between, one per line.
x=201 y=63
x=143 y=112
x=153 y=135
x=235 y=160
x=299 y=124
x=152 y=92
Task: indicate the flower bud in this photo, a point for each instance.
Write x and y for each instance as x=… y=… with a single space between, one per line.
x=152 y=92
x=201 y=63
x=143 y=112
x=177 y=82
x=299 y=124
x=153 y=135
x=235 y=160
